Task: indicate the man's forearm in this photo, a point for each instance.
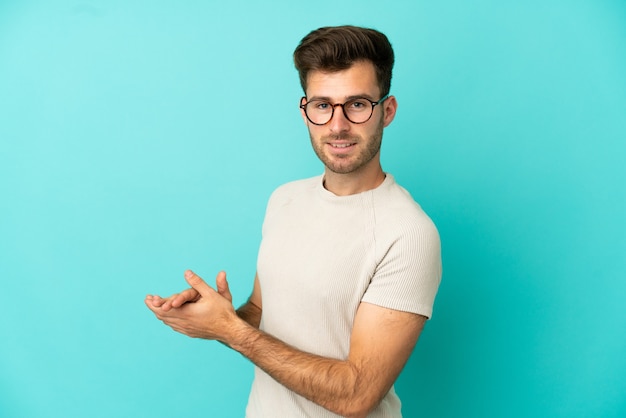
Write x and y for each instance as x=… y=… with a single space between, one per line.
x=334 y=384
x=250 y=313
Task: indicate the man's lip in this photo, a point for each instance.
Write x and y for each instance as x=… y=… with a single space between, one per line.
x=341 y=147
x=341 y=144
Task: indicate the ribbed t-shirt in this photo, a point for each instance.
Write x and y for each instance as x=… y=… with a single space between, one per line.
x=321 y=255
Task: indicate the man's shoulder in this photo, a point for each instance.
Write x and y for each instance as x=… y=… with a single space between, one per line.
x=396 y=198
x=397 y=209
x=293 y=191
x=297 y=186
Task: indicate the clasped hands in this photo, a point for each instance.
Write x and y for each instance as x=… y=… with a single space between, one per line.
x=198 y=312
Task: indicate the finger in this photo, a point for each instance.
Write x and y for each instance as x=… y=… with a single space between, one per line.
x=155 y=300
x=161 y=314
x=197 y=283
x=155 y=307
x=179 y=299
x=222 y=286
x=166 y=303
x=188 y=295
x=150 y=305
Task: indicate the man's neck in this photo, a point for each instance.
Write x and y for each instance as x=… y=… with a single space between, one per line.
x=353 y=183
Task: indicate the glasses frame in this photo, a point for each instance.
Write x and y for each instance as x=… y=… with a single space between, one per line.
x=342 y=105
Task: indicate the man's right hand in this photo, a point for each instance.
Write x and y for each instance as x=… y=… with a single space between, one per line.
x=176 y=300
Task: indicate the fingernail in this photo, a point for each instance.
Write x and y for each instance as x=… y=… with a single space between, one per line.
x=188 y=274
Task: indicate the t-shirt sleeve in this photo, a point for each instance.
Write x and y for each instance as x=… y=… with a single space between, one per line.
x=408 y=274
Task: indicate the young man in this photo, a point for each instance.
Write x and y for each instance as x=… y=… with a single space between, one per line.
x=349 y=264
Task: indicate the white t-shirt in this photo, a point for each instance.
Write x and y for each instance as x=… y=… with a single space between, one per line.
x=321 y=255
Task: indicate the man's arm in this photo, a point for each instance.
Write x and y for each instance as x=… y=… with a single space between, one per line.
x=381 y=343
x=252 y=309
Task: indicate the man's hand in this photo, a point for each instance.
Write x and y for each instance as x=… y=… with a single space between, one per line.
x=174 y=301
x=199 y=312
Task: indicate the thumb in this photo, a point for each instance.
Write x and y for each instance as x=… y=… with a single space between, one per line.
x=197 y=283
x=222 y=286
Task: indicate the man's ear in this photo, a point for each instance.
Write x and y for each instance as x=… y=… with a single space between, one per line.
x=390 y=106
x=302 y=113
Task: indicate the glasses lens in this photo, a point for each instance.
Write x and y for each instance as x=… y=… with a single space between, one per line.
x=319 y=111
x=358 y=110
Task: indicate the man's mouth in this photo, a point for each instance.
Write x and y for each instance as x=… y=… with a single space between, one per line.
x=342 y=145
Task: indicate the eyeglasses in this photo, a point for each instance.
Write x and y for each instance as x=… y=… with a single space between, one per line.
x=359 y=110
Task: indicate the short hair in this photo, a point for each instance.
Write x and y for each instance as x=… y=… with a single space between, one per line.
x=337 y=48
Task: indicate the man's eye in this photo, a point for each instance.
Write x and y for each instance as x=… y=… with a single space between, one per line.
x=321 y=105
x=358 y=105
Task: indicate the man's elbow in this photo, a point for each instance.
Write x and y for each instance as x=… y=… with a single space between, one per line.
x=360 y=413
x=358 y=406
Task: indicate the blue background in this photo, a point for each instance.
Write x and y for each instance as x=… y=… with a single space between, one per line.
x=141 y=138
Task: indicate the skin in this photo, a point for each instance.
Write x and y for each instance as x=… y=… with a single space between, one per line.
x=381 y=339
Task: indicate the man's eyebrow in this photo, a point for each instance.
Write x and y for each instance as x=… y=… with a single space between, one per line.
x=324 y=98
x=348 y=98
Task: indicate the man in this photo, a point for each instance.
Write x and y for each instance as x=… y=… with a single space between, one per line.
x=349 y=264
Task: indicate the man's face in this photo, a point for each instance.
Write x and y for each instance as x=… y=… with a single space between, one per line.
x=345 y=147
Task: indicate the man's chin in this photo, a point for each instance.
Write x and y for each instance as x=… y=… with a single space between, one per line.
x=340 y=168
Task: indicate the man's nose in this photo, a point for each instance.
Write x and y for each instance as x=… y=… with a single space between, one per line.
x=339 y=122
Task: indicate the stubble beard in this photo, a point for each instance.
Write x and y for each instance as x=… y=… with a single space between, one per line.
x=349 y=163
